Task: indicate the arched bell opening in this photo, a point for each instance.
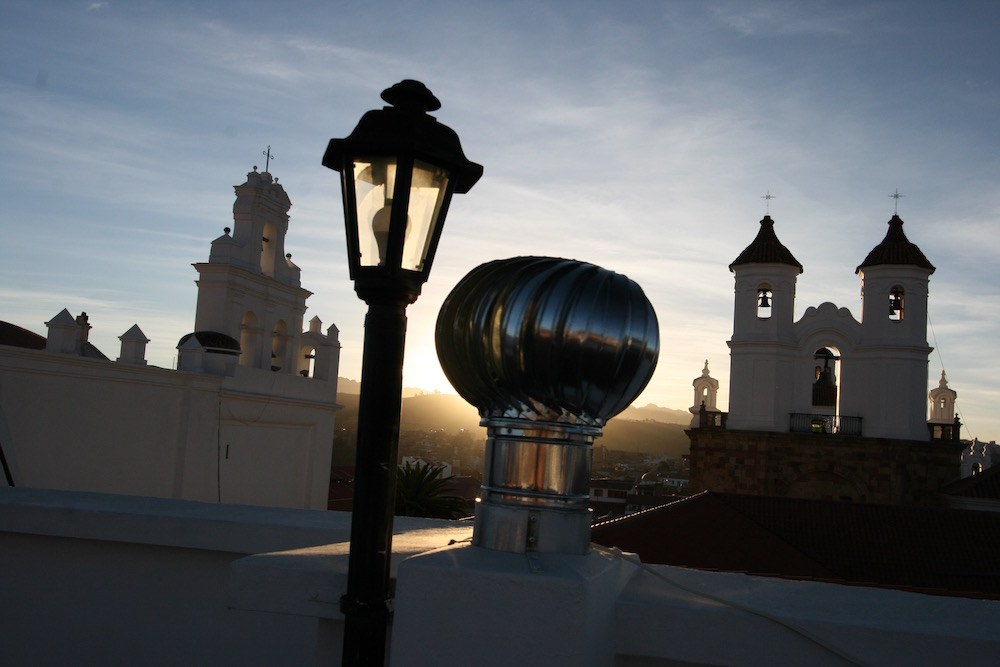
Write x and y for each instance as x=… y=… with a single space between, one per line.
x=825 y=390
x=765 y=297
x=896 y=303
x=248 y=339
x=279 y=344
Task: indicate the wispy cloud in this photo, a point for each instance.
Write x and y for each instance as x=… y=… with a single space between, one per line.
x=791 y=17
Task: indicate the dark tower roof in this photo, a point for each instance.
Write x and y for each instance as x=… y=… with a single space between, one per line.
x=213 y=341
x=895 y=248
x=766 y=249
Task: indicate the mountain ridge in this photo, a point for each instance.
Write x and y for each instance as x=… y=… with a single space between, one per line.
x=650 y=429
x=648 y=412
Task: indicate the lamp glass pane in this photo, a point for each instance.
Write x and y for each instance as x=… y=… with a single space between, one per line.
x=374 y=181
x=427 y=190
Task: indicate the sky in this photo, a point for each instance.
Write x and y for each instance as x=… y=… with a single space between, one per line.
x=639 y=136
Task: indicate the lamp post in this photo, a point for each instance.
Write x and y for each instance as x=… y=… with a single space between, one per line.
x=398 y=169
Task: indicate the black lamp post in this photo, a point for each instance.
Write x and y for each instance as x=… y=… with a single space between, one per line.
x=399 y=169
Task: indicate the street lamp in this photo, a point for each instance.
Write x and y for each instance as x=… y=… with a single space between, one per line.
x=398 y=169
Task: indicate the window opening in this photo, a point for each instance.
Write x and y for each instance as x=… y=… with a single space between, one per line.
x=308 y=369
x=268 y=248
x=248 y=339
x=279 y=341
x=825 y=390
x=896 y=304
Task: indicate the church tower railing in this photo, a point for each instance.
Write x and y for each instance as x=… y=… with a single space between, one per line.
x=800 y=422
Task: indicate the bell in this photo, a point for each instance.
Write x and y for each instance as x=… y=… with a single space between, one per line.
x=764 y=301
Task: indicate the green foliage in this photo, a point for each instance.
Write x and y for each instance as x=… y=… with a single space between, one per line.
x=421 y=491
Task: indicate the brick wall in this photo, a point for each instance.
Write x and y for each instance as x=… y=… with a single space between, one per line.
x=819 y=466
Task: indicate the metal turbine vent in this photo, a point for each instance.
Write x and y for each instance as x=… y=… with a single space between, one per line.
x=548 y=350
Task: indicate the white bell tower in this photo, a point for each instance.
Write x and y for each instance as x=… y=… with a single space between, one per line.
x=250 y=301
x=893 y=345
x=706 y=392
x=762 y=347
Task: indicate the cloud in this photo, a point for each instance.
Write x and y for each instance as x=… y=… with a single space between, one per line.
x=791 y=17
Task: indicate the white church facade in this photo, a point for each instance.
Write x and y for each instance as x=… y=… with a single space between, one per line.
x=247 y=417
x=828 y=406
x=869 y=377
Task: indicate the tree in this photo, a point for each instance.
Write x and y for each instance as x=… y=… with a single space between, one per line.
x=421 y=491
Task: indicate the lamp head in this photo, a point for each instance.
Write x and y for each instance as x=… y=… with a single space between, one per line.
x=399 y=169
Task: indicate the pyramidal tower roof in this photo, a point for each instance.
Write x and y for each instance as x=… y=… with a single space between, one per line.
x=766 y=249
x=895 y=248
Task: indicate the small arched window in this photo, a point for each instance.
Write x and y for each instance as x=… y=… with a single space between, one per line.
x=309 y=362
x=268 y=248
x=764 y=298
x=279 y=342
x=896 y=303
x=248 y=339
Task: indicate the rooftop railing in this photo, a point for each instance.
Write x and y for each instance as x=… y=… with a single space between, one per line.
x=800 y=422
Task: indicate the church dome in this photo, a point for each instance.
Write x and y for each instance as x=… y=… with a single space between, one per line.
x=895 y=248
x=15 y=336
x=547 y=339
x=213 y=341
x=766 y=249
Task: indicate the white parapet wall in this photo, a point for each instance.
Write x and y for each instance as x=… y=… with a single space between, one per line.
x=104 y=579
x=78 y=424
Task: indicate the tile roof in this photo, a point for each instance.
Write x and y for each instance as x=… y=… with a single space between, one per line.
x=983 y=485
x=15 y=336
x=766 y=249
x=895 y=248
x=934 y=550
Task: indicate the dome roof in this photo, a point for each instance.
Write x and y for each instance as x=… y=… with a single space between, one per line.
x=213 y=341
x=15 y=336
x=766 y=249
x=547 y=339
x=895 y=248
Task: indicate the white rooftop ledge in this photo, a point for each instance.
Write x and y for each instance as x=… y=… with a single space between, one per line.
x=188 y=524
x=150 y=581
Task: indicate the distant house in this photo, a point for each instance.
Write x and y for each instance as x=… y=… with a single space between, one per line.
x=613 y=498
x=247 y=417
x=828 y=407
x=980 y=491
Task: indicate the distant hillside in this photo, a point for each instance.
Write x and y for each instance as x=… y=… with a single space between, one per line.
x=650 y=437
x=656 y=413
x=442 y=412
x=346 y=386
x=648 y=412
x=650 y=429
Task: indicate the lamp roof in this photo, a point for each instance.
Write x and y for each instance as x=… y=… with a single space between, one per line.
x=404 y=128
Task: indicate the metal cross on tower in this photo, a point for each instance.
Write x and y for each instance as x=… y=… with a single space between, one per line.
x=895 y=195
x=768 y=197
x=267 y=162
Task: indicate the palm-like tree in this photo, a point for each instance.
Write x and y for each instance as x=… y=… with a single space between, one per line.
x=421 y=491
